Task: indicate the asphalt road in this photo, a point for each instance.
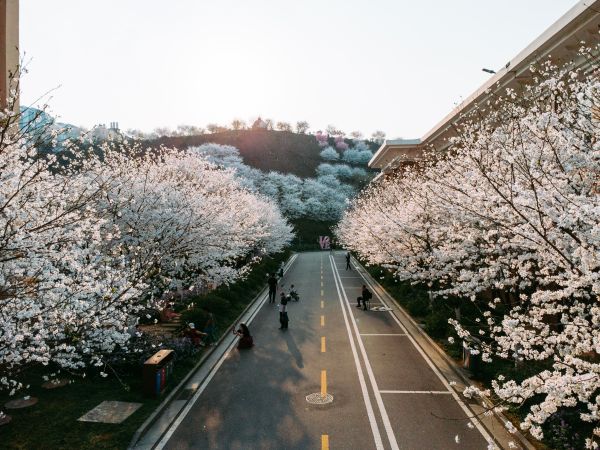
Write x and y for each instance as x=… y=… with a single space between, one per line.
x=385 y=393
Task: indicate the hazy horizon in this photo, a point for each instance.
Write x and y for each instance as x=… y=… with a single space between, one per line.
x=395 y=66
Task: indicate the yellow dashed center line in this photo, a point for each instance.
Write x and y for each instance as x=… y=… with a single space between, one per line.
x=324 y=437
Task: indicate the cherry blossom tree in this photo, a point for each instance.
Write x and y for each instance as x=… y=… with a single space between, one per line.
x=186 y=218
x=509 y=219
x=322 y=138
x=323 y=198
x=330 y=154
x=357 y=156
x=88 y=241
x=340 y=144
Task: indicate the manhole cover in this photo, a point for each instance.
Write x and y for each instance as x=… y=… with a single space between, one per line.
x=318 y=399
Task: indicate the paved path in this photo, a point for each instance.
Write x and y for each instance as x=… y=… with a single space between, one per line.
x=386 y=394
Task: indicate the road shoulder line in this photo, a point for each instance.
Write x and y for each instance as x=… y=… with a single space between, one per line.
x=141 y=438
x=382 y=411
x=359 y=370
x=497 y=420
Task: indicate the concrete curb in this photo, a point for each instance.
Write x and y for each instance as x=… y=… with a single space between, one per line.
x=451 y=363
x=180 y=387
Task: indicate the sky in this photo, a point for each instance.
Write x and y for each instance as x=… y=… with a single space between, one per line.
x=394 y=65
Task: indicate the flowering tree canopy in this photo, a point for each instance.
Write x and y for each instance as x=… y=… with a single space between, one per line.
x=87 y=242
x=322 y=138
x=330 y=154
x=509 y=218
x=357 y=155
x=317 y=199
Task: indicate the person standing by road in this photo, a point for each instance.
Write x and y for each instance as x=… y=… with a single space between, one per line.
x=210 y=327
x=283 y=315
x=272 y=281
x=348 y=261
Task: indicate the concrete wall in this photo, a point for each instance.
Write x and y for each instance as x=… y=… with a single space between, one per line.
x=9 y=47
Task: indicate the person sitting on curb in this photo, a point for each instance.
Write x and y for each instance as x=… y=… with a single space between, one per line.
x=364 y=297
x=195 y=335
x=246 y=340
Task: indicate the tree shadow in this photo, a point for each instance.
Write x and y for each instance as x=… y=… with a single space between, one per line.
x=255 y=400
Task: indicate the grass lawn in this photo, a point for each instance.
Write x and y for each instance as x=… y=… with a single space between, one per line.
x=52 y=422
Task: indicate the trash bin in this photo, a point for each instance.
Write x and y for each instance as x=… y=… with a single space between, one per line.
x=157 y=373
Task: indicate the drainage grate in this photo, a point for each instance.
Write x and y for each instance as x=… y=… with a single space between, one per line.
x=318 y=399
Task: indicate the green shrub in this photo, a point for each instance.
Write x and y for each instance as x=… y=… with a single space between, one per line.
x=227 y=302
x=215 y=303
x=436 y=323
x=417 y=306
x=196 y=316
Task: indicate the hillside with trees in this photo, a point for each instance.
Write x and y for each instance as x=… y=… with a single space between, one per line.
x=267 y=150
x=282 y=151
x=312 y=178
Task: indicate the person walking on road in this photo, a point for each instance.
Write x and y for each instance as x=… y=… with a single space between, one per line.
x=283 y=315
x=348 y=261
x=272 y=281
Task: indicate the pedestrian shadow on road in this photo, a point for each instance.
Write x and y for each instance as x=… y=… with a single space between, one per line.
x=293 y=349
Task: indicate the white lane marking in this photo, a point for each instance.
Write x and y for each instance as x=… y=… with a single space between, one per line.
x=417 y=392
x=383 y=334
x=361 y=377
x=365 y=358
x=470 y=414
x=175 y=424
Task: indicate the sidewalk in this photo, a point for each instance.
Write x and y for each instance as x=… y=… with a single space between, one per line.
x=157 y=429
x=456 y=376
